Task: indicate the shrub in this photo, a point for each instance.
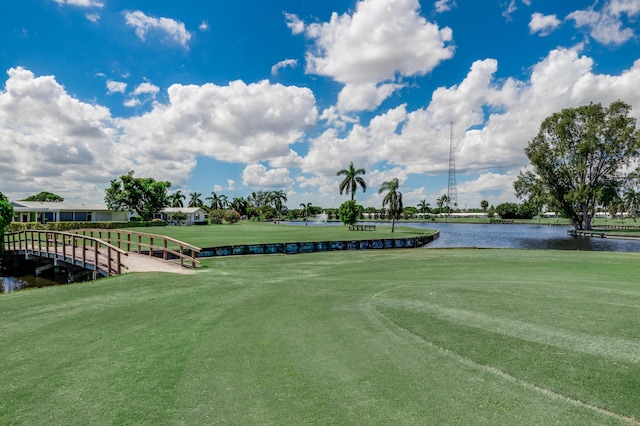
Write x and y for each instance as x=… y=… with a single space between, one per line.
x=216 y=216
x=349 y=212
x=232 y=216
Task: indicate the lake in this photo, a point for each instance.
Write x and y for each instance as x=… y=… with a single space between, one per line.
x=509 y=236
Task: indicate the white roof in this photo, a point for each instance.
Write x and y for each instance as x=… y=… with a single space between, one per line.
x=53 y=206
x=185 y=210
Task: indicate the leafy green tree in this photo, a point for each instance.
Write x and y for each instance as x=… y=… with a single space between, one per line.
x=507 y=210
x=578 y=155
x=216 y=216
x=349 y=212
x=393 y=199
x=195 y=200
x=45 y=197
x=175 y=199
x=352 y=180
x=144 y=196
x=6 y=216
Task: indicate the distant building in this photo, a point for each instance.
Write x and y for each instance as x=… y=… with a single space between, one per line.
x=43 y=212
x=194 y=214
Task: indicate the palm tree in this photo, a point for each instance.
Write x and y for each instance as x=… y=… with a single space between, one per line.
x=176 y=198
x=352 y=180
x=223 y=201
x=393 y=198
x=305 y=211
x=195 y=200
x=424 y=207
x=484 y=204
x=240 y=205
x=277 y=198
x=215 y=200
x=632 y=202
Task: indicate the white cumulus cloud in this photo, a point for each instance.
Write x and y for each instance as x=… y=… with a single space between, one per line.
x=258 y=176
x=543 y=24
x=116 y=86
x=80 y=3
x=283 y=64
x=379 y=41
x=606 y=25
x=144 y=24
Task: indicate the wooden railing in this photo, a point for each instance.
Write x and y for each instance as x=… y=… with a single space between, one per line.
x=138 y=242
x=80 y=250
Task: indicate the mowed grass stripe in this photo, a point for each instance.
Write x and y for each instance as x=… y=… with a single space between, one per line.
x=304 y=339
x=613 y=348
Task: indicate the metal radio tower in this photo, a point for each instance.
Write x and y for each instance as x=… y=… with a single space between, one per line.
x=452 y=190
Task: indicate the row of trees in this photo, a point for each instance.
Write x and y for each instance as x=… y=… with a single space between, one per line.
x=580 y=160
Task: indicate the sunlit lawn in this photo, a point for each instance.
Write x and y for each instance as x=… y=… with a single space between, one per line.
x=420 y=336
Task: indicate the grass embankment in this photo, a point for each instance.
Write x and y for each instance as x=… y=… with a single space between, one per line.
x=371 y=337
x=267 y=233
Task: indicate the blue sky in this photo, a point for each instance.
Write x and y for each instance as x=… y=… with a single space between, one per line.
x=242 y=96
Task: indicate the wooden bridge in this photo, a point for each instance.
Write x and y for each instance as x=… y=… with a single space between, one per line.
x=106 y=252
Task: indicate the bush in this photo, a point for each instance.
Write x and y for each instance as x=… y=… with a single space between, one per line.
x=232 y=216
x=349 y=212
x=216 y=216
x=69 y=226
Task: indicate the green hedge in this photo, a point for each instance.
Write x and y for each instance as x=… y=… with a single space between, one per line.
x=69 y=226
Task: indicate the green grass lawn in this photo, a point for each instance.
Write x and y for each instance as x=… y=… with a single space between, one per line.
x=365 y=337
x=245 y=232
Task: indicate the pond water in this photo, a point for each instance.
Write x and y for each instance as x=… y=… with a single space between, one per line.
x=510 y=236
x=9 y=284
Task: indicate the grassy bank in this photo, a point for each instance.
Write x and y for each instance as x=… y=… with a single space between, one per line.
x=378 y=337
x=267 y=232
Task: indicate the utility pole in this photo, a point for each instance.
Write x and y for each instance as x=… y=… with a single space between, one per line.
x=452 y=189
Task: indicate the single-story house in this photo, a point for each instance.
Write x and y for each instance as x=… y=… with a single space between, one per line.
x=194 y=214
x=28 y=211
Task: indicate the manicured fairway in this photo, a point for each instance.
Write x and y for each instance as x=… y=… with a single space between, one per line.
x=417 y=336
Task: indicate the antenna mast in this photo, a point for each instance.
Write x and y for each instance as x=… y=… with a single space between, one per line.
x=452 y=189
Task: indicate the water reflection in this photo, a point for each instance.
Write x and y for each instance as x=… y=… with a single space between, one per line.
x=10 y=284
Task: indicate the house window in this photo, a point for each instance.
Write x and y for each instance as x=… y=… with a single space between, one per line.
x=65 y=216
x=80 y=216
x=196 y=216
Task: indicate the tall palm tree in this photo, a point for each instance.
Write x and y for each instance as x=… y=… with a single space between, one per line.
x=442 y=201
x=632 y=202
x=215 y=201
x=352 y=180
x=393 y=198
x=195 y=200
x=223 y=201
x=277 y=198
x=240 y=205
x=484 y=204
x=176 y=198
x=423 y=206
x=305 y=211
